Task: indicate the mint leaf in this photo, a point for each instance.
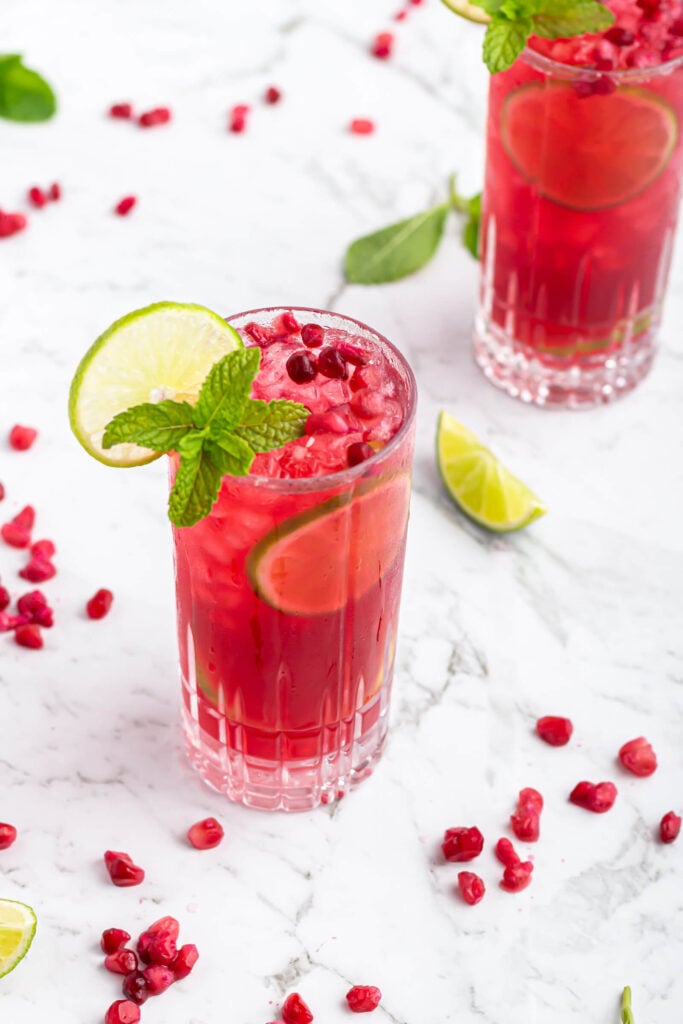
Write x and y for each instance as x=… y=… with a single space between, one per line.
x=470 y=232
x=232 y=454
x=268 y=425
x=563 y=18
x=626 y=1013
x=226 y=389
x=197 y=482
x=504 y=41
x=24 y=94
x=159 y=426
x=396 y=251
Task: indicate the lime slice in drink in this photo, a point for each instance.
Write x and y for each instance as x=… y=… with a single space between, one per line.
x=588 y=152
x=468 y=10
x=483 y=488
x=352 y=540
x=161 y=351
x=17 y=928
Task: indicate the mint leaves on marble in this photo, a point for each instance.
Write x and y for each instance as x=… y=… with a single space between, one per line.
x=514 y=21
x=403 y=248
x=219 y=435
x=24 y=94
x=626 y=1013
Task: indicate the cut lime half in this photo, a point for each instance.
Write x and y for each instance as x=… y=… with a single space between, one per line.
x=159 y=352
x=17 y=928
x=483 y=488
x=468 y=10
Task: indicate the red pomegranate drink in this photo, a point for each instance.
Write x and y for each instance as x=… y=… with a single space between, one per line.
x=288 y=591
x=583 y=179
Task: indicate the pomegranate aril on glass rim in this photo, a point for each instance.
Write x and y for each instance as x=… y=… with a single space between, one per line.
x=122 y=871
x=669 y=827
x=295 y=1010
x=471 y=886
x=312 y=335
x=21 y=438
x=363 y=998
x=554 y=730
x=8 y=834
x=461 y=844
x=113 y=939
x=595 y=797
x=638 y=757
x=123 y=1011
x=205 y=834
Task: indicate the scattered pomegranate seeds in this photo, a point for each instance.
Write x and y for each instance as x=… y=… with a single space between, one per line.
x=400 y=15
x=461 y=844
x=669 y=827
x=555 y=731
x=363 y=998
x=506 y=854
x=158 y=979
x=43 y=549
x=135 y=987
x=295 y=1011
x=382 y=45
x=11 y=224
x=113 y=939
x=272 y=94
x=21 y=438
x=125 y=205
x=358 y=452
x=99 y=604
x=122 y=871
x=185 y=960
x=37 y=197
x=301 y=367
x=122 y=961
x=238 y=118
x=55 y=192
x=35 y=608
x=637 y=756
x=4 y=598
x=38 y=570
x=332 y=364
x=8 y=622
x=526 y=819
x=152 y=118
x=121 y=110
x=312 y=335
x=157 y=945
x=597 y=797
x=17 y=532
x=471 y=887
x=122 y=1012
x=8 y=834
x=206 y=834
x=361 y=126
x=517 y=876
x=29 y=636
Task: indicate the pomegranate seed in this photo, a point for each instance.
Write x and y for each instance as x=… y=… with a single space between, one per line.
x=99 y=604
x=122 y=961
x=28 y=636
x=526 y=819
x=416 y=3
x=604 y=85
x=259 y=334
x=43 y=549
x=272 y=94
x=21 y=438
x=122 y=1012
x=8 y=622
x=400 y=15
x=597 y=798
x=25 y=519
x=185 y=960
x=121 y=110
x=363 y=998
x=154 y=117
x=289 y=322
x=555 y=731
x=326 y=423
x=352 y=353
x=361 y=126
x=135 y=987
x=301 y=367
x=55 y=192
x=471 y=887
x=367 y=404
x=358 y=452
x=517 y=876
x=295 y=1011
x=312 y=335
x=462 y=844
x=382 y=45
x=2 y=491
x=125 y=205
x=619 y=36
x=8 y=834
x=206 y=834
x=122 y=871
x=113 y=939
x=637 y=756
x=165 y=927
x=11 y=224
x=331 y=364
x=38 y=570
x=158 y=978
x=157 y=945
x=4 y=598
x=15 y=536
x=677 y=28
x=505 y=852
x=36 y=609
x=37 y=197
x=365 y=377
x=604 y=64
x=669 y=827
x=238 y=118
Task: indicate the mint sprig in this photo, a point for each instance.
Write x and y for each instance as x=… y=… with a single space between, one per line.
x=24 y=94
x=219 y=435
x=401 y=249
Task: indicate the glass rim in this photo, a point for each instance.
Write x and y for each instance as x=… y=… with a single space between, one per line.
x=341 y=477
x=560 y=70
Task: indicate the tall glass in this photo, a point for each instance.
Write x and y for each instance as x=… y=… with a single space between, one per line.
x=583 y=179
x=288 y=598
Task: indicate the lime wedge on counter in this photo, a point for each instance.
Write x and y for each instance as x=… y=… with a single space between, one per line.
x=162 y=351
x=483 y=488
x=351 y=540
x=17 y=928
x=468 y=10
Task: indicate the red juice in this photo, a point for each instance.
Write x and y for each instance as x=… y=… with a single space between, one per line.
x=288 y=592
x=583 y=180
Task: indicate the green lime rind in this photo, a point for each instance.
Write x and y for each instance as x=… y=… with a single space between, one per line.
x=136 y=360
x=479 y=484
x=467 y=10
x=16 y=954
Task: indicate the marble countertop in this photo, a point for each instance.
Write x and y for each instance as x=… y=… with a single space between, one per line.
x=580 y=615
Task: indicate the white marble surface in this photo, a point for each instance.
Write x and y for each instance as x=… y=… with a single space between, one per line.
x=581 y=615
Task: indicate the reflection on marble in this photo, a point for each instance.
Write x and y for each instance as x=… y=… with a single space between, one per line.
x=580 y=615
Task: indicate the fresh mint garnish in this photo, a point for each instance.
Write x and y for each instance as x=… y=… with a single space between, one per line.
x=24 y=94
x=403 y=248
x=219 y=435
x=626 y=1013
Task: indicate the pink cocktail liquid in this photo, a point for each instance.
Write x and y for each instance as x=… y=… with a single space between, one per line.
x=288 y=592
x=583 y=179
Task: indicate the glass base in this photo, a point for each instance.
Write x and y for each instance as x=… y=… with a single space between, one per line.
x=294 y=785
x=564 y=386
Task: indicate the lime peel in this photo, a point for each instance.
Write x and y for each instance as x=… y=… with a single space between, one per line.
x=17 y=928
